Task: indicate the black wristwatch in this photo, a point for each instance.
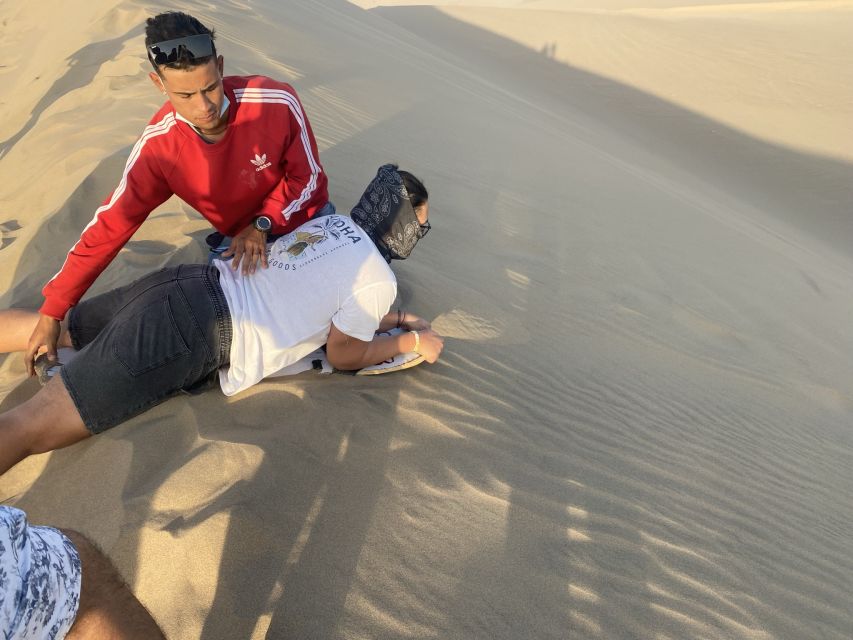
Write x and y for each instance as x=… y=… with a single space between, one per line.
x=262 y=224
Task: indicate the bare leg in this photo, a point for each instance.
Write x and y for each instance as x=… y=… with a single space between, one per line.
x=47 y=421
x=108 y=608
x=18 y=325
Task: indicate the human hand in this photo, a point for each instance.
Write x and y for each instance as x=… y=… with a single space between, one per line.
x=248 y=246
x=430 y=345
x=411 y=322
x=46 y=334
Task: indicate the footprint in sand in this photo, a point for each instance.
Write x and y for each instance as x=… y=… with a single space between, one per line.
x=7 y=233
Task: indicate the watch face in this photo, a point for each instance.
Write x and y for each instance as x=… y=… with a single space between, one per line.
x=262 y=223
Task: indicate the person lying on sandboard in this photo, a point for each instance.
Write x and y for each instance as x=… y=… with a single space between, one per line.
x=178 y=329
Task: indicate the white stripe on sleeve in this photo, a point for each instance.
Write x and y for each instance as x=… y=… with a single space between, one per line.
x=151 y=131
x=279 y=96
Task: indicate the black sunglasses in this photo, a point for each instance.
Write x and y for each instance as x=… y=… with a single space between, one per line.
x=425 y=227
x=186 y=48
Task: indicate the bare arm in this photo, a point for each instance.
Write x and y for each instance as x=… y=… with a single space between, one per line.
x=403 y=320
x=347 y=353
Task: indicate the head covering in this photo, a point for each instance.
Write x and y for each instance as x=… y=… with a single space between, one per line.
x=385 y=212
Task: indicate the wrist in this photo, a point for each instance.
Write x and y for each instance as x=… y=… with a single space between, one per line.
x=417 y=342
x=51 y=309
x=262 y=223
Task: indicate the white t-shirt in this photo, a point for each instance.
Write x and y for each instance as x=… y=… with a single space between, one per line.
x=327 y=270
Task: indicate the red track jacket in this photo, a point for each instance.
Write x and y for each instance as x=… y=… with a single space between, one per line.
x=267 y=163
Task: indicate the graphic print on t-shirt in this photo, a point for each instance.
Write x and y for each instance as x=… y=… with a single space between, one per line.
x=326 y=271
x=304 y=239
x=292 y=248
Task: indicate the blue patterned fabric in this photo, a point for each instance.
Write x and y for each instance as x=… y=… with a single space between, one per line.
x=39 y=580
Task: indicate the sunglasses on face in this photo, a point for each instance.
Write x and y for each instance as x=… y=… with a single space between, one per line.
x=425 y=227
x=186 y=48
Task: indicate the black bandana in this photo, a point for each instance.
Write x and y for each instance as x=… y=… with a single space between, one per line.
x=386 y=214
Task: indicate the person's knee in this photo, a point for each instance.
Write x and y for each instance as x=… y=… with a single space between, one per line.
x=17 y=437
x=49 y=420
x=108 y=608
x=27 y=437
x=83 y=545
x=99 y=575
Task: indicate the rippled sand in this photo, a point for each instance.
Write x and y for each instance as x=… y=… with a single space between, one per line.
x=641 y=257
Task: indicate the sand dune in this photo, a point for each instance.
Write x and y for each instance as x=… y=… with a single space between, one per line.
x=641 y=258
x=761 y=68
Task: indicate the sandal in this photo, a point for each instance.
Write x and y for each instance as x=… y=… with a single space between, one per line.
x=45 y=368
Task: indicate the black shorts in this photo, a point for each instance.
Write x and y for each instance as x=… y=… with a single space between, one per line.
x=166 y=333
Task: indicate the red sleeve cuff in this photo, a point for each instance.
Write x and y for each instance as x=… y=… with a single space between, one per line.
x=54 y=309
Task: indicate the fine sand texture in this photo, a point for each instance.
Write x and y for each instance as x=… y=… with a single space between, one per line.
x=642 y=260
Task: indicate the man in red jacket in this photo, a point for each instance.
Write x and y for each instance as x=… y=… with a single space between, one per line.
x=238 y=149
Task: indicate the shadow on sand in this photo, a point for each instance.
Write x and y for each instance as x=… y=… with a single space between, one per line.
x=298 y=525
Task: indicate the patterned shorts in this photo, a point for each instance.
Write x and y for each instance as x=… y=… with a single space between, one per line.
x=39 y=579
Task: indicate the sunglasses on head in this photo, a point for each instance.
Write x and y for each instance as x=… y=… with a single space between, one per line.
x=186 y=48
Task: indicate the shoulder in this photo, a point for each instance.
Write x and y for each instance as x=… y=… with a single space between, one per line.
x=161 y=122
x=256 y=82
x=260 y=89
x=163 y=115
x=160 y=136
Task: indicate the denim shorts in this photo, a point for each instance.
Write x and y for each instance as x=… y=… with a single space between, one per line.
x=166 y=333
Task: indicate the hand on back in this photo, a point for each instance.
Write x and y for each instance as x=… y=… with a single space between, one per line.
x=249 y=247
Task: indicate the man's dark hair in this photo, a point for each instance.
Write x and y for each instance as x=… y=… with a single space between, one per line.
x=175 y=24
x=417 y=191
